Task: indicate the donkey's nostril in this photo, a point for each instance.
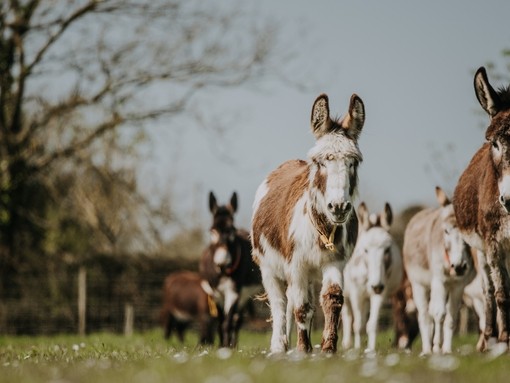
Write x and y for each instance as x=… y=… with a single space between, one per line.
x=378 y=289
x=347 y=206
x=330 y=206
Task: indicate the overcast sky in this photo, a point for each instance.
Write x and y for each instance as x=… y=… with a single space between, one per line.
x=412 y=63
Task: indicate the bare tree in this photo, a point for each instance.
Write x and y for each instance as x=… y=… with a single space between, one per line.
x=80 y=82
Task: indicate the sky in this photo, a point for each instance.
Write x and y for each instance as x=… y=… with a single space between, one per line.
x=411 y=62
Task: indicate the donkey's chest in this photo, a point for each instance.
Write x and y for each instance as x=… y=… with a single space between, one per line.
x=503 y=234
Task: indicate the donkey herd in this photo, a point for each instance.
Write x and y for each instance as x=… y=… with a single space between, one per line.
x=306 y=237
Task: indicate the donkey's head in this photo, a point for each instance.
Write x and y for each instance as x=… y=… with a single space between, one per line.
x=335 y=158
x=222 y=230
x=497 y=105
x=457 y=259
x=376 y=245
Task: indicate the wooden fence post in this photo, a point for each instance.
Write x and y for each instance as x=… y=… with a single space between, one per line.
x=82 y=300
x=129 y=318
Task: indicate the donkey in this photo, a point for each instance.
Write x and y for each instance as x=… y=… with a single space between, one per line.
x=304 y=226
x=372 y=275
x=405 y=317
x=227 y=266
x=439 y=265
x=482 y=205
x=185 y=301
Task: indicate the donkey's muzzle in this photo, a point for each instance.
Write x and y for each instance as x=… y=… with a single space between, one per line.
x=340 y=210
x=458 y=270
x=505 y=202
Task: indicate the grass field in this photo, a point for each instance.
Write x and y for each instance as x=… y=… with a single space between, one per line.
x=148 y=358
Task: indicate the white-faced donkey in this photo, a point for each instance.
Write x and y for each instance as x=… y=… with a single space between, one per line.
x=373 y=274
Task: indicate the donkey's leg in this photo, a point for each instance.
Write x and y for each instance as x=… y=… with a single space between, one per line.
x=231 y=297
x=358 y=312
x=499 y=274
x=275 y=289
x=169 y=322
x=331 y=300
x=219 y=325
x=347 y=324
x=181 y=327
x=479 y=308
x=375 y=308
x=204 y=322
x=311 y=300
x=289 y=314
x=400 y=320
x=238 y=323
x=303 y=309
x=421 y=298
x=437 y=310
x=489 y=330
x=452 y=316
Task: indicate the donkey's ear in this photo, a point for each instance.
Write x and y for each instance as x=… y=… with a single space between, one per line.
x=233 y=202
x=487 y=96
x=441 y=196
x=363 y=216
x=320 y=120
x=213 y=204
x=386 y=217
x=355 y=119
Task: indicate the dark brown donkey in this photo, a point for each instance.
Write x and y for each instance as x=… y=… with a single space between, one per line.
x=227 y=266
x=482 y=204
x=185 y=301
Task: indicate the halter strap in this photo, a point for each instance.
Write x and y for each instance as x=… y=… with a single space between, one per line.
x=237 y=261
x=447 y=257
x=327 y=241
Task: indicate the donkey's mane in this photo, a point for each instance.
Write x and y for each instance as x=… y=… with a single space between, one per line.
x=504 y=96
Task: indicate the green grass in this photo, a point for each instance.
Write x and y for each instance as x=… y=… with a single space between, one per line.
x=148 y=358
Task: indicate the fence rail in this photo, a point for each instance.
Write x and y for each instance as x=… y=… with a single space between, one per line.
x=120 y=297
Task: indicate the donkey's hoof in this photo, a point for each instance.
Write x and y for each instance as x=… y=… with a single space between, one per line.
x=328 y=346
x=304 y=347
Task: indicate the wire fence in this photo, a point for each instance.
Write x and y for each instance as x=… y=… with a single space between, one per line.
x=118 y=296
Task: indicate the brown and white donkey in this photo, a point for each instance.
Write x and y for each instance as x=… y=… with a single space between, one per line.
x=482 y=205
x=304 y=227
